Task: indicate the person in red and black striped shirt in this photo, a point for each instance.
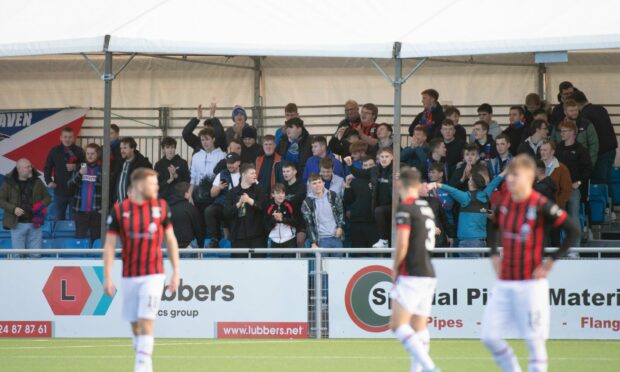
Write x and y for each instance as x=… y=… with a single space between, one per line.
x=142 y=222
x=520 y=299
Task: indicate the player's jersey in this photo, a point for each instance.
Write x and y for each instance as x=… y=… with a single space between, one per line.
x=141 y=228
x=417 y=216
x=522 y=226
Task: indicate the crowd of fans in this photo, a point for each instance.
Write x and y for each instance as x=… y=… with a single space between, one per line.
x=292 y=189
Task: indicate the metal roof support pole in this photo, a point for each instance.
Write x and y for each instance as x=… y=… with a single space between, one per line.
x=542 y=81
x=107 y=78
x=257 y=109
x=397 y=83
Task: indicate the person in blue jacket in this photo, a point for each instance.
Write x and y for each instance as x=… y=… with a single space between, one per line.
x=417 y=152
x=475 y=205
x=319 y=151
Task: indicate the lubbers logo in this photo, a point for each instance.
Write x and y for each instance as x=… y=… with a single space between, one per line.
x=75 y=290
x=366 y=298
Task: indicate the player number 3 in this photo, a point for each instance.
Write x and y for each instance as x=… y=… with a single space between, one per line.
x=430 y=239
x=429 y=224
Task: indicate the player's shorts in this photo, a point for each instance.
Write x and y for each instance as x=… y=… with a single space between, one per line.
x=141 y=296
x=517 y=308
x=414 y=293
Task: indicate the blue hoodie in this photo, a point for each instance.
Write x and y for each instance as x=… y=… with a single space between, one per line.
x=313 y=165
x=474 y=205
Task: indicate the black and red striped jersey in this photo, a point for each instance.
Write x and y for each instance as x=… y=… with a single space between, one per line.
x=141 y=228
x=416 y=216
x=522 y=226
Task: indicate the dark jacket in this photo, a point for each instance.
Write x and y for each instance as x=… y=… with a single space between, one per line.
x=441 y=221
x=305 y=150
x=193 y=140
x=274 y=174
x=115 y=152
x=75 y=181
x=578 y=162
x=487 y=151
x=516 y=135
x=525 y=148
x=55 y=169
x=586 y=135
x=139 y=161
x=220 y=166
x=250 y=154
x=599 y=117
x=251 y=225
x=225 y=176
x=457 y=174
x=163 y=175
x=358 y=200
x=546 y=187
x=341 y=147
x=454 y=153
x=432 y=128
x=186 y=221
x=308 y=211
x=288 y=214
x=557 y=115
x=461 y=133
x=10 y=196
x=375 y=175
x=296 y=193
x=415 y=157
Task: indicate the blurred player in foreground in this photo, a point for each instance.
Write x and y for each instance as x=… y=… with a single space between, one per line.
x=142 y=221
x=520 y=299
x=414 y=276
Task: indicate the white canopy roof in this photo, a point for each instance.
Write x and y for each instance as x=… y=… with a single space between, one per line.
x=307 y=28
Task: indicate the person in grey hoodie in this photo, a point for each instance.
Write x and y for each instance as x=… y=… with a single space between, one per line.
x=323 y=214
x=485 y=113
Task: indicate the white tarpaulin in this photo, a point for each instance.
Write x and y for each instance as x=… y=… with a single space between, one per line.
x=312 y=28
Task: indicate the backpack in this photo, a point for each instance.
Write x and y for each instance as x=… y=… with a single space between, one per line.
x=202 y=193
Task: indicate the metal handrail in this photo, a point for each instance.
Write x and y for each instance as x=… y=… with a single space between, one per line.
x=95 y=251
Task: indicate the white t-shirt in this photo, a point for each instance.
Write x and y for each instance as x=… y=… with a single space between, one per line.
x=235 y=180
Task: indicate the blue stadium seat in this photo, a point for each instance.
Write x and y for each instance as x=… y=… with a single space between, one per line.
x=48 y=243
x=51 y=209
x=97 y=243
x=6 y=244
x=47 y=228
x=598 y=199
x=4 y=233
x=224 y=244
x=64 y=229
x=615 y=180
x=72 y=243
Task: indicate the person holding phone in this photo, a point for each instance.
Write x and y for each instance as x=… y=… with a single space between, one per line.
x=214 y=214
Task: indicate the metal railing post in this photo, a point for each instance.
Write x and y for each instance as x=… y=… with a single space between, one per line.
x=318 y=296
x=164 y=120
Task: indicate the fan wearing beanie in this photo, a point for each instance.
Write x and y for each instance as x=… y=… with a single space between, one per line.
x=240 y=121
x=250 y=149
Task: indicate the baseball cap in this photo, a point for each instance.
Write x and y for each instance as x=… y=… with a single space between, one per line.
x=232 y=157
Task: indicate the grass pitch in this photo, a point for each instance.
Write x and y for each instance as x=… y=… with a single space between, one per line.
x=283 y=355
